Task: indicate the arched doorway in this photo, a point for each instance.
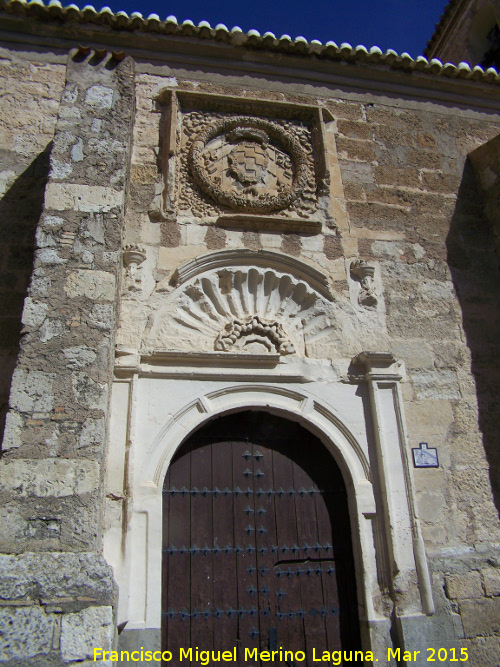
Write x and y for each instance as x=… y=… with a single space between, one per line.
x=257 y=549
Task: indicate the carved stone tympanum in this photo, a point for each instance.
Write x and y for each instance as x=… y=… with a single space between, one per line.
x=241 y=309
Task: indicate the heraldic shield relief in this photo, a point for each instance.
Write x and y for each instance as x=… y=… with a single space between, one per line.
x=246 y=164
x=249 y=164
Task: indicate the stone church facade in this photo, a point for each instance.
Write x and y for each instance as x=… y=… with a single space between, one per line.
x=282 y=251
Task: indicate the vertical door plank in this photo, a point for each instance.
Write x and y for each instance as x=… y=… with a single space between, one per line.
x=265 y=529
x=307 y=529
x=201 y=537
x=290 y=630
x=225 y=571
x=176 y=564
x=244 y=543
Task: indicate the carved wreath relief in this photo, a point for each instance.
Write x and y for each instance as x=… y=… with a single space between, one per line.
x=246 y=164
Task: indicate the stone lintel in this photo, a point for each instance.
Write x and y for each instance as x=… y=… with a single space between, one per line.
x=210 y=359
x=265 y=223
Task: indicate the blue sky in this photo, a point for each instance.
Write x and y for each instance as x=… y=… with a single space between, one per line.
x=402 y=25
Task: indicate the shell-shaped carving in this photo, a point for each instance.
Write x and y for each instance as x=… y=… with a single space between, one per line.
x=207 y=307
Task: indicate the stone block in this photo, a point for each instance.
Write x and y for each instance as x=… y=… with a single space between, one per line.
x=86 y=630
x=45 y=478
x=354 y=130
x=355 y=149
x=425 y=419
x=423 y=632
x=87 y=392
x=79 y=356
x=34 y=312
x=431 y=507
x=25 y=632
x=491 y=580
x=481 y=650
x=480 y=617
x=54 y=576
x=31 y=391
x=59 y=170
x=92 y=433
x=49 y=256
x=347 y=110
x=441 y=384
x=77 y=197
x=169 y=258
x=356 y=172
x=12 y=432
x=415 y=353
x=99 y=97
x=50 y=329
x=463 y=586
x=102 y=317
x=95 y=285
x=388 y=175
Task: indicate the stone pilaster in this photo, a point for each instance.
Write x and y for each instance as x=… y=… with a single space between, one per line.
x=55 y=436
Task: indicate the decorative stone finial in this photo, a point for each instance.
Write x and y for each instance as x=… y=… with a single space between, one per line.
x=364 y=273
x=133 y=254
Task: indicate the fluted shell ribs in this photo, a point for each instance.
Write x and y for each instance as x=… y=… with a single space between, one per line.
x=241 y=310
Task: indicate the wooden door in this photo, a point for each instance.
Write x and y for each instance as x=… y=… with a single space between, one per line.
x=256 y=543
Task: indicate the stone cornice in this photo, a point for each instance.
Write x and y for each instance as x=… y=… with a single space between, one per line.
x=63 y=26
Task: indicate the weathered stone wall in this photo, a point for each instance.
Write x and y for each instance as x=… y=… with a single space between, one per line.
x=28 y=111
x=58 y=594
x=426 y=227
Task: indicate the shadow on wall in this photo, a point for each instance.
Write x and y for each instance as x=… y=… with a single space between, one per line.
x=474 y=267
x=20 y=210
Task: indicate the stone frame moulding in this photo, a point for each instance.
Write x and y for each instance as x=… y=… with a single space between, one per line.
x=265 y=259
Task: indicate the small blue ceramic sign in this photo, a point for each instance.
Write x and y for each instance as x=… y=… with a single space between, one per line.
x=423 y=457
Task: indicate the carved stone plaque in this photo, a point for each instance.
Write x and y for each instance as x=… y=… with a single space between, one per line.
x=237 y=158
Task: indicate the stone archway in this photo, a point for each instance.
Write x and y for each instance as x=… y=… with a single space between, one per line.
x=257 y=551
